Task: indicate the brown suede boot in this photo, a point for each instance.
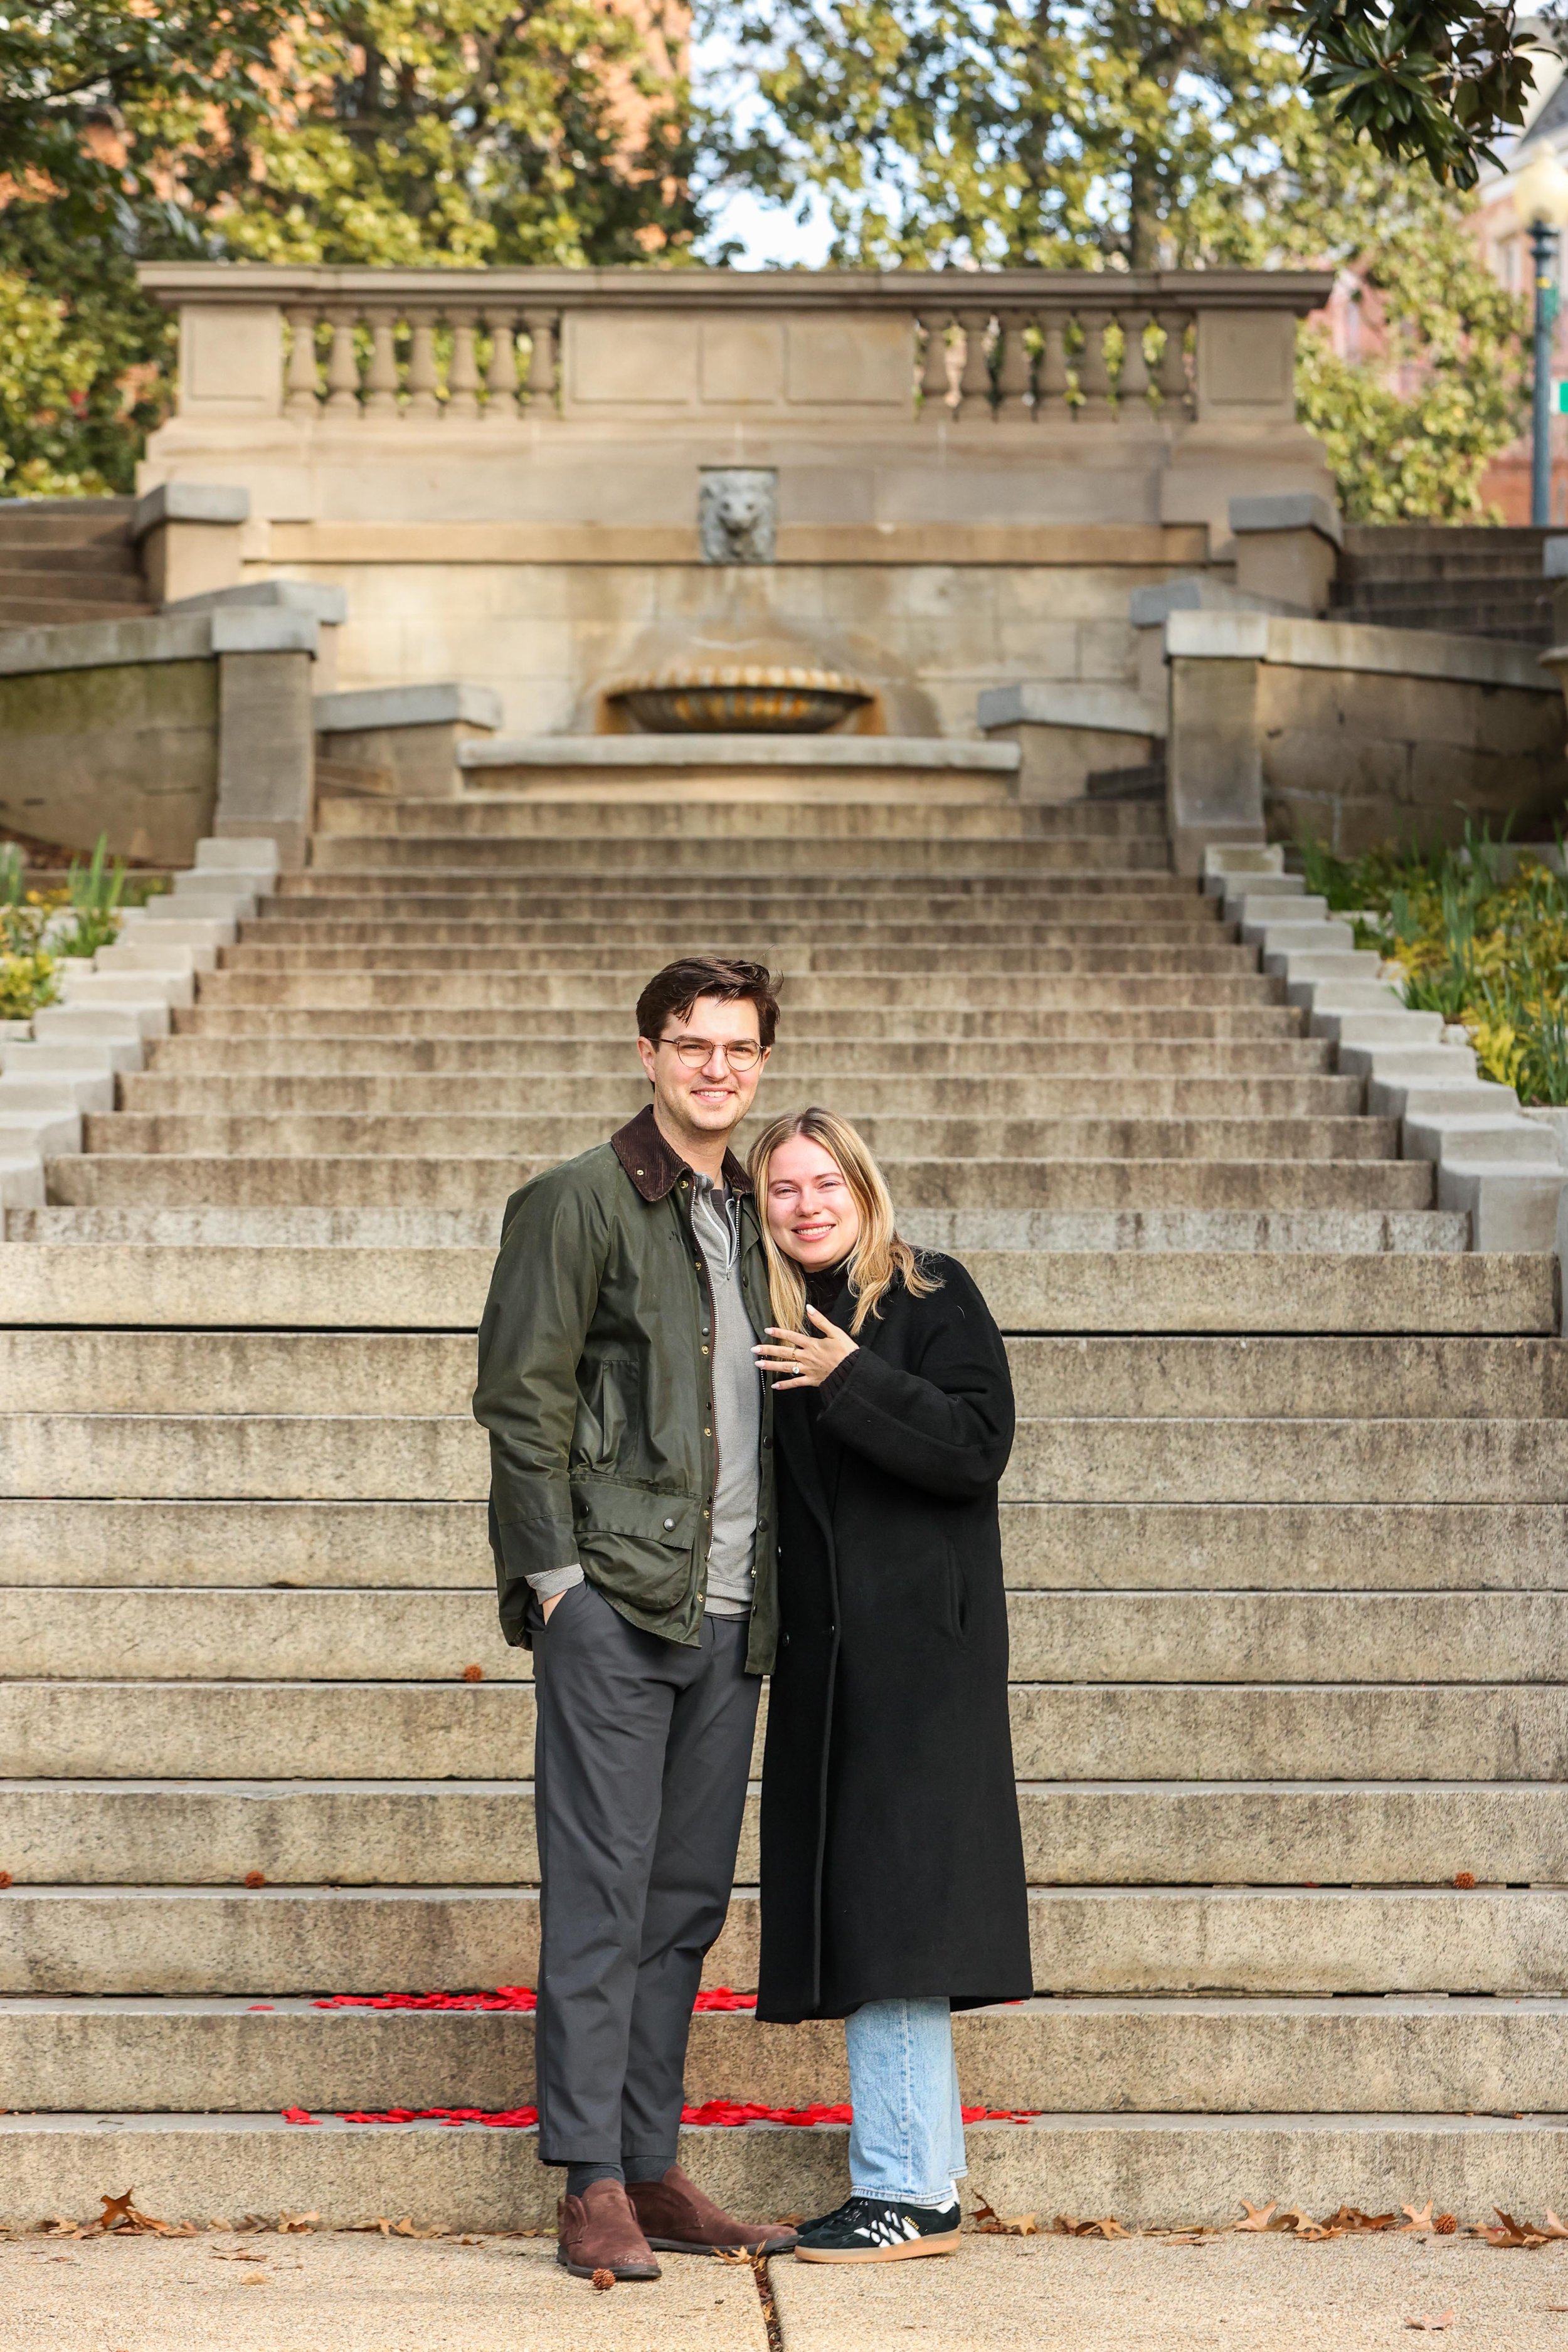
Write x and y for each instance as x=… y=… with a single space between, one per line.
x=678 y=2219
x=599 y=2231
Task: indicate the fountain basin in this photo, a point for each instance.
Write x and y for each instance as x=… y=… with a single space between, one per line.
x=750 y=699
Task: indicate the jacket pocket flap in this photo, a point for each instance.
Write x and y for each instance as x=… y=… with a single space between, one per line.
x=602 y=1508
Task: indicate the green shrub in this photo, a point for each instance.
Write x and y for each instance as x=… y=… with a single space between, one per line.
x=1477 y=935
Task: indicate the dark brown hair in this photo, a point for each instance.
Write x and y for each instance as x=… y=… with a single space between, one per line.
x=677 y=988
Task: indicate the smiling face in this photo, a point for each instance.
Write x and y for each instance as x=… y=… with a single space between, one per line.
x=811 y=1210
x=699 y=1097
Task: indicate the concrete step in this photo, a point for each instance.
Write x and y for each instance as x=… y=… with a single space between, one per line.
x=367 y=1180
x=1085 y=1939
x=1085 y=2055
x=400 y=1835
x=628 y=962
x=606 y=1062
x=1155 y=1016
x=440 y=861
x=490 y=819
x=960 y=1231
x=337 y=1634
x=1066 y=1291
x=1160 y=2171
x=1179 y=1547
x=670 y=924
x=893 y=1135
x=414 y=1094
x=841 y=992
x=863 y=883
x=118 y=1730
x=113 y=1370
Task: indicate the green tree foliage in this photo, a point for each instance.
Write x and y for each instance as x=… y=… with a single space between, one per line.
x=447 y=131
x=1139 y=134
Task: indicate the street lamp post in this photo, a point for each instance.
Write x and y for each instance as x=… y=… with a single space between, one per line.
x=1542 y=253
x=1541 y=200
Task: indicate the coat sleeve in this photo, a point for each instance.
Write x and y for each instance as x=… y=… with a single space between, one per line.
x=947 y=1428
x=543 y=1297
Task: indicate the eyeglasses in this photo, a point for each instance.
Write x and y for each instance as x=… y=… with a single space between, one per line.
x=694 y=1052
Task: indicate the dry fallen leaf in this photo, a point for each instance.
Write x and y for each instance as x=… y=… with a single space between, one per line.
x=119 y=2213
x=603 y=2281
x=1419 y=2221
x=1552 y=2227
x=1511 y=2232
x=1430 y=2322
x=992 y=2224
x=1352 y=2222
x=296 y=2222
x=1256 y=2215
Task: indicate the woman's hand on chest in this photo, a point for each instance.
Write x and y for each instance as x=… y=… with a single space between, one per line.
x=804 y=1360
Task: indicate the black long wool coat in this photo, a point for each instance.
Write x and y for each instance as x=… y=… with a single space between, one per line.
x=892 y=1863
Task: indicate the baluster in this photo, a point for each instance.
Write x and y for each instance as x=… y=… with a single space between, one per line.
x=1093 y=376
x=422 y=401
x=463 y=377
x=342 y=363
x=539 y=327
x=500 y=376
x=381 y=376
x=1051 y=378
x=936 y=389
x=1132 y=383
x=300 y=392
x=974 y=383
x=1013 y=375
x=1174 y=359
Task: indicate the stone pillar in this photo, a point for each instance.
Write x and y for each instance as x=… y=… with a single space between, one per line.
x=189 y=535
x=1287 y=549
x=1213 y=790
x=266 y=766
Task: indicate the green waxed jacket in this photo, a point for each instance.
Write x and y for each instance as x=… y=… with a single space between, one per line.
x=595 y=1384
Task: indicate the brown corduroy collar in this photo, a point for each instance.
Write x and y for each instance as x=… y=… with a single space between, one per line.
x=654 y=1168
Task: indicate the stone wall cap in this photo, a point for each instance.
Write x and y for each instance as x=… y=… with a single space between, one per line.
x=1068 y=702
x=315 y=598
x=1555 y=557
x=217 y=502
x=104 y=645
x=1150 y=607
x=253 y=629
x=434 y=703
x=1353 y=646
x=1288 y=511
x=621 y=751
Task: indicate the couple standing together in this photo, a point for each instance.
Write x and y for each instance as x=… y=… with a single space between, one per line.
x=666 y=1329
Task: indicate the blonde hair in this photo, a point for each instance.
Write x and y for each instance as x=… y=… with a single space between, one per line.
x=879 y=1258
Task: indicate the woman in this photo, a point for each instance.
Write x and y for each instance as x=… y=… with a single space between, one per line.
x=892 y=1863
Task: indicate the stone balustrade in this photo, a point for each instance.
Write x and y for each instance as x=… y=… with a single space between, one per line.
x=505 y=346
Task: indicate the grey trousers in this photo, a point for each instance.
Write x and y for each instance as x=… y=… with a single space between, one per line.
x=640 y=1767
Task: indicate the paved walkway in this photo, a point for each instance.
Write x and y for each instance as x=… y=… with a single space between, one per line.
x=355 y=2293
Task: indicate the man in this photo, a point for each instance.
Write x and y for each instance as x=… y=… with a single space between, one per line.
x=632 y=1522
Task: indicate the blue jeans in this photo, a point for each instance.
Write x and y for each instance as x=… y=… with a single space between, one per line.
x=906 y=2142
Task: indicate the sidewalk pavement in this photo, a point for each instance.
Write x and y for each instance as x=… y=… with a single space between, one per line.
x=345 y=2292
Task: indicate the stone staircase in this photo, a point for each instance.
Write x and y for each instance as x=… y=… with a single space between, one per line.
x=1284 y=1531
x=1473 y=581
x=69 y=560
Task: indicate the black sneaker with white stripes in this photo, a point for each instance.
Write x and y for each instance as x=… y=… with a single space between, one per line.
x=872 y=2229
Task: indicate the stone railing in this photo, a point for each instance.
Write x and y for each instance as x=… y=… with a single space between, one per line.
x=508 y=346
